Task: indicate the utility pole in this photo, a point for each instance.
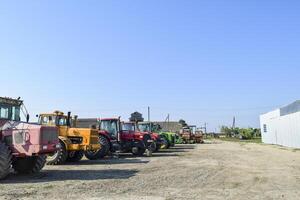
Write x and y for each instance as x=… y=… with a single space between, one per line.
x=233 y=123
x=167 y=121
x=149 y=118
x=148 y=114
x=233 y=127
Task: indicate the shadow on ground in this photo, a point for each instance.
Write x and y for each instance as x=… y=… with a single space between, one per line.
x=164 y=155
x=184 y=146
x=172 y=151
x=64 y=175
x=109 y=160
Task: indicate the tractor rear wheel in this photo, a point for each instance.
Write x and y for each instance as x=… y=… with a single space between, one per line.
x=102 y=152
x=29 y=165
x=5 y=160
x=59 y=157
x=75 y=156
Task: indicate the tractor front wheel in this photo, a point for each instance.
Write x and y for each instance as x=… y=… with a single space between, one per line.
x=138 y=151
x=29 y=165
x=102 y=152
x=157 y=147
x=5 y=160
x=165 y=144
x=59 y=157
x=74 y=156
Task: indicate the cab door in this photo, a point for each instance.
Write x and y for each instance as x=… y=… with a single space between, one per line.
x=127 y=135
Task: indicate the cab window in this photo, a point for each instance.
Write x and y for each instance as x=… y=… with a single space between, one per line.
x=127 y=127
x=62 y=121
x=4 y=112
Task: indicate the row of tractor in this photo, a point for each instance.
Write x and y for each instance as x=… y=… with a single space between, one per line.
x=58 y=138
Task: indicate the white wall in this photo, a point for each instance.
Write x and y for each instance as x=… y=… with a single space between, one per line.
x=270 y=120
x=281 y=130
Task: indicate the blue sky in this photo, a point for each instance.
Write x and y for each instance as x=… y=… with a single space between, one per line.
x=203 y=61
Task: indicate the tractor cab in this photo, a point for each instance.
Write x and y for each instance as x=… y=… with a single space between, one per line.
x=10 y=109
x=128 y=126
x=193 y=129
x=55 y=119
x=144 y=127
x=110 y=127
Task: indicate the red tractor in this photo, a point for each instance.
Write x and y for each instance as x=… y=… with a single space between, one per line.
x=187 y=135
x=149 y=127
x=23 y=145
x=133 y=127
x=117 y=136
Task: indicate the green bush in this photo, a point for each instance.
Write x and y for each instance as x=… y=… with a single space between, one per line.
x=246 y=133
x=242 y=133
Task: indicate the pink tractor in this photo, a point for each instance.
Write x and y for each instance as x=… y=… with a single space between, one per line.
x=23 y=145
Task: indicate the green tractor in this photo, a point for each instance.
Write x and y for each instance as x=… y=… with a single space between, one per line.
x=170 y=138
x=178 y=139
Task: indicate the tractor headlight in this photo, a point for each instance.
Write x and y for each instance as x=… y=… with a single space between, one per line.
x=45 y=147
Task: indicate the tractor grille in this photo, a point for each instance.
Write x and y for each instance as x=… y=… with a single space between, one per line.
x=19 y=137
x=76 y=140
x=49 y=135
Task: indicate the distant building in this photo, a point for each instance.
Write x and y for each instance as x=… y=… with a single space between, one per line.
x=170 y=126
x=282 y=126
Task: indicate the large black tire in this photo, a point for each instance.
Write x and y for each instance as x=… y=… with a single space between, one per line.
x=165 y=143
x=157 y=147
x=29 y=165
x=139 y=152
x=75 y=156
x=5 y=160
x=102 y=152
x=59 y=157
x=168 y=145
x=152 y=147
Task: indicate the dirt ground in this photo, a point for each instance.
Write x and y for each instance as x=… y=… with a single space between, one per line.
x=217 y=170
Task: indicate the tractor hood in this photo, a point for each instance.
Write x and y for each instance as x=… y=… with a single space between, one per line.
x=103 y=132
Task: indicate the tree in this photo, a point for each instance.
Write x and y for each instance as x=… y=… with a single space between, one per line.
x=257 y=132
x=246 y=133
x=226 y=130
x=242 y=133
x=183 y=123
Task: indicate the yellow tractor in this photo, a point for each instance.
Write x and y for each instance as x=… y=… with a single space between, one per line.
x=74 y=142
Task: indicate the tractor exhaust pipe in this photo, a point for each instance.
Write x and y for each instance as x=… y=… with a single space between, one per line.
x=119 y=131
x=69 y=119
x=75 y=121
